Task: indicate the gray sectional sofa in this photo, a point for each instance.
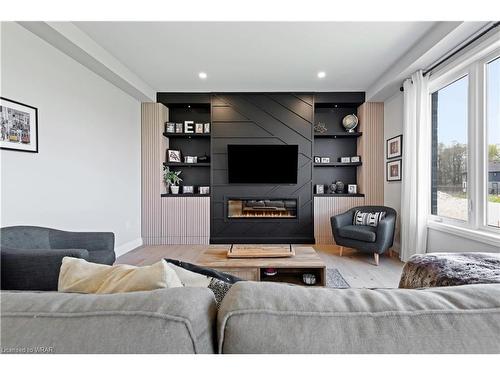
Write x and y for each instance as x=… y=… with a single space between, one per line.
x=256 y=318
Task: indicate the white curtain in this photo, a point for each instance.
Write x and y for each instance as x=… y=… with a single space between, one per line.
x=416 y=170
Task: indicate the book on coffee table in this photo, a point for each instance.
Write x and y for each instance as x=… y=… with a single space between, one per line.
x=260 y=251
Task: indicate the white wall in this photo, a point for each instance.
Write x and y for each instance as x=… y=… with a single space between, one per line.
x=86 y=175
x=393 y=126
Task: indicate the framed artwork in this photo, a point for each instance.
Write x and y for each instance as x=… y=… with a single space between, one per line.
x=198 y=128
x=19 y=126
x=395 y=147
x=206 y=127
x=170 y=127
x=325 y=160
x=394 y=170
x=178 y=127
x=352 y=188
x=204 y=190
x=317 y=159
x=173 y=156
x=320 y=189
x=355 y=159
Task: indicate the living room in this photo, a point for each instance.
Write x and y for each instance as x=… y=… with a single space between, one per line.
x=256 y=186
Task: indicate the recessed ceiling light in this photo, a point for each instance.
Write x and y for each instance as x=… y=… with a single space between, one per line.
x=202 y=75
x=321 y=74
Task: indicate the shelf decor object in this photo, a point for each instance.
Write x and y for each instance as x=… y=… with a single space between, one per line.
x=173 y=156
x=352 y=189
x=170 y=127
x=355 y=159
x=320 y=128
x=204 y=190
x=187 y=189
x=320 y=189
x=178 y=127
x=350 y=122
x=345 y=159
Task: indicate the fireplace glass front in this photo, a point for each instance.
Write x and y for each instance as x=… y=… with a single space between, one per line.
x=262 y=208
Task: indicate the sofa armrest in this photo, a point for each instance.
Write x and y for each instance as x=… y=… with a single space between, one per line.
x=339 y=221
x=385 y=232
x=34 y=269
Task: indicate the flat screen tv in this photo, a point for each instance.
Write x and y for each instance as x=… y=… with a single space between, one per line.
x=262 y=164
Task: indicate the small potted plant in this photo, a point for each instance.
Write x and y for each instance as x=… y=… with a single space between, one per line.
x=171 y=179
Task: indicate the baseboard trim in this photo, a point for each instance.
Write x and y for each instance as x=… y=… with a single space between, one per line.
x=128 y=246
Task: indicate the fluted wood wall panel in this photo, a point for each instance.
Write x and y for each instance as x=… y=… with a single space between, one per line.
x=371 y=149
x=153 y=116
x=185 y=220
x=326 y=207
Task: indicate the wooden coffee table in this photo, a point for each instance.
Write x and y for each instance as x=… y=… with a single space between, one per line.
x=290 y=270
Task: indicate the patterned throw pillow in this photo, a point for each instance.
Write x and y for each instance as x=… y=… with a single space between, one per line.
x=219 y=288
x=368 y=218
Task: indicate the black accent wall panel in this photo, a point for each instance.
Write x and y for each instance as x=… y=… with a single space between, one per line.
x=262 y=118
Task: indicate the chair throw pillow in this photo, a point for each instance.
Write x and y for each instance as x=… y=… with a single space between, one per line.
x=80 y=276
x=368 y=218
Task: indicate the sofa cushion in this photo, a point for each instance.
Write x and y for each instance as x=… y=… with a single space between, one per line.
x=80 y=276
x=368 y=218
x=176 y=320
x=34 y=269
x=364 y=233
x=278 y=318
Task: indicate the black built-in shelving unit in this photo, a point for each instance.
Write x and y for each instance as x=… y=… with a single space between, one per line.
x=196 y=108
x=335 y=143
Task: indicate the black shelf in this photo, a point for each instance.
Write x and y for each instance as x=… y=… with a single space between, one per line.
x=339 y=195
x=337 y=164
x=184 y=135
x=189 y=165
x=339 y=135
x=184 y=195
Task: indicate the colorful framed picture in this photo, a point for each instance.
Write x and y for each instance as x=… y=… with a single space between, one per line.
x=19 y=126
x=394 y=147
x=393 y=170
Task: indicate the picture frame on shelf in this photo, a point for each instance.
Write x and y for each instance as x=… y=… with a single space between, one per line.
x=352 y=188
x=394 y=147
x=320 y=189
x=170 y=127
x=317 y=159
x=205 y=190
x=19 y=126
x=345 y=159
x=355 y=159
x=187 y=189
x=325 y=160
x=190 y=159
x=206 y=128
x=393 y=170
x=179 y=127
x=173 y=156
x=198 y=128
x=189 y=127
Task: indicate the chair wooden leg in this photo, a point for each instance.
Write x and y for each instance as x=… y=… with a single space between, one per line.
x=375 y=256
x=341 y=250
x=390 y=253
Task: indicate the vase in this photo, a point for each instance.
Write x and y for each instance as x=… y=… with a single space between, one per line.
x=174 y=189
x=167 y=187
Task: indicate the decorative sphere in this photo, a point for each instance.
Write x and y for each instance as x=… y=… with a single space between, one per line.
x=340 y=187
x=350 y=122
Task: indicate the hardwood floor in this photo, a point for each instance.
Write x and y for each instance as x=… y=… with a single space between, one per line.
x=357 y=269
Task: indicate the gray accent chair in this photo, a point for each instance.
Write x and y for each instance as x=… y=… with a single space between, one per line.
x=31 y=256
x=367 y=239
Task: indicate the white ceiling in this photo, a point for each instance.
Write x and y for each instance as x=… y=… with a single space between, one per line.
x=257 y=56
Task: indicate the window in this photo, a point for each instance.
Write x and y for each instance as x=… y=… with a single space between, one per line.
x=465 y=147
x=449 y=150
x=493 y=142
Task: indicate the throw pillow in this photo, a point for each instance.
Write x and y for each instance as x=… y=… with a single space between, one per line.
x=189 y=278
x=205 y=271
x=219 y=288
x=368 y=218
x=80 y=276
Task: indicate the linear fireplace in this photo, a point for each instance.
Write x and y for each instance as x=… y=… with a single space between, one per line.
x=262 y=208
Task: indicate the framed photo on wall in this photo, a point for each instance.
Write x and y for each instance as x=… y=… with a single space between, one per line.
x=19 y=126
x=173 y=156
x=393 y=170
x=394 y=147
